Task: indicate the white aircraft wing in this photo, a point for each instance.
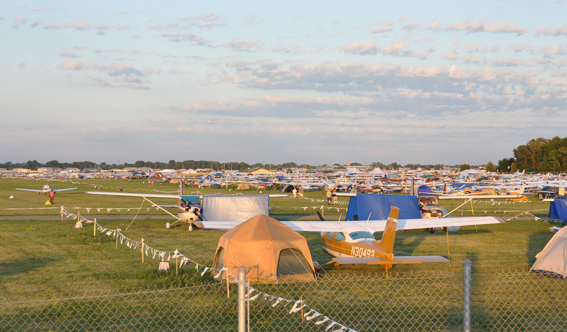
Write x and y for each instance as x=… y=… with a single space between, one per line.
x=133 y=194
x=57 y=190
x=440 y=196
x=155 y=195
x=372 y=225
x=34 y=190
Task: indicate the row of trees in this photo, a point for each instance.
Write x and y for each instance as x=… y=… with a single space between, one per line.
x=538 y=155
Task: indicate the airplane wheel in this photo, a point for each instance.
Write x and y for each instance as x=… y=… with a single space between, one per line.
x=190 y=227
x=432 y=230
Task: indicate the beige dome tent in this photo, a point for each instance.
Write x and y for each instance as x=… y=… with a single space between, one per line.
x=552 y=260
x=270 y=251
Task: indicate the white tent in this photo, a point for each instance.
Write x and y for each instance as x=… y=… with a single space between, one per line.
x=234 y=207
x=552 y=260
x=377 y=172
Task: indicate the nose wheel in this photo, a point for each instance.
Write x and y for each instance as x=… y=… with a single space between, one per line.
x=190 y=227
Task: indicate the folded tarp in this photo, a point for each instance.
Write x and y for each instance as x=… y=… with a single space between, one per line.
x=558 y=209
x=377 y=207
x=234 y=207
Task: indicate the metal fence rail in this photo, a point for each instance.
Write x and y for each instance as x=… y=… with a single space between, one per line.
x=507 y=301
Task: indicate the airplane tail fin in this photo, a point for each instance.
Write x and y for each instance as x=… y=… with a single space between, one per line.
x=389 y=235
x=521 y=192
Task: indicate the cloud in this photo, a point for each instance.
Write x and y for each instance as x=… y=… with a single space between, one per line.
x=521 y=47
x=102 y=26
x=136 y=36
x=482 y=26
x=124 y=27
x=550 y=31
x=68 y=54
x=122 y=75
x=435 y=26
x=22 y=64
x=241 y=45
x=396 y=49
x=381 y=30
x=209 y=17
x=411 y=26
x=511 y=62
x=474 y=59
x=449 y=55
x=473 y=47
x=552 y=50
x=336 y=22
x=76 y=26
x=182 y=37
x=388 y=23
x=19 y=20
x=36 y=23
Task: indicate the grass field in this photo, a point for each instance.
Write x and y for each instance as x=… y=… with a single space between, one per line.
x=50 y=259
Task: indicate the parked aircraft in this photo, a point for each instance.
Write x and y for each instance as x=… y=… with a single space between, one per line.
x=188 y=208
x=353 y=243
x=45 y=189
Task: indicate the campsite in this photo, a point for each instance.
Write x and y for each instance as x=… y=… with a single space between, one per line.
x=51 y=259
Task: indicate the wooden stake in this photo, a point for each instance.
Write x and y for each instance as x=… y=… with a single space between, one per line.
x=117 y=239
x=142 y=250
x=176 y=265
x=94 y=231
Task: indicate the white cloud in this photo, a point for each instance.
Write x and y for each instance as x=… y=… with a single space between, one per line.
x=449 y=55
x=435 y=26
x=19 y=20
x=473 y=47
x=483 y=26
x=182 y=37
x=209 y=17
x=381 y=30
x=68 y=54
x=76 y=26
x=550 y=31
x=36 y=23
x=241 y=45
x=521 y=47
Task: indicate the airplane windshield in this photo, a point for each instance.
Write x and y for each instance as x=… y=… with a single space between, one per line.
x=361 y=235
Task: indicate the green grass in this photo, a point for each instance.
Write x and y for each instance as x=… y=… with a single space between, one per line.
x=50 y=259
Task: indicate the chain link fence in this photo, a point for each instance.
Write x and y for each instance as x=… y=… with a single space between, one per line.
x=511 y=301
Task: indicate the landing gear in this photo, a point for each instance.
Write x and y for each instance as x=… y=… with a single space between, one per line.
x=190 y=227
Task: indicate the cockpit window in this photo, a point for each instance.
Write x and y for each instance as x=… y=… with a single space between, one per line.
x=340 y=237
x=361 y=235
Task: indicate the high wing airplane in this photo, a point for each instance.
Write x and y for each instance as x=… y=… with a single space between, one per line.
x=353 y=243
x=188 y=208
x=45 y=189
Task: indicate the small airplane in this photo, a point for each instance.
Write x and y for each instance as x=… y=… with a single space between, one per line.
x=353 y=242
x=188 y=209
x=45 y=189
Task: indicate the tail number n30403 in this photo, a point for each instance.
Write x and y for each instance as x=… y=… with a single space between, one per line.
x=361 y=252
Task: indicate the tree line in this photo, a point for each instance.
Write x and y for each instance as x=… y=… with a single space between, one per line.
x=538 y=155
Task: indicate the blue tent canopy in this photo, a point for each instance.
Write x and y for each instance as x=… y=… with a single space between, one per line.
x=377 y=207
x=424 y=190
x=558 y=209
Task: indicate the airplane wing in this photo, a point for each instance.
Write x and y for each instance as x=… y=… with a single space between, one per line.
x=397 y=260
x=440 y=196
x=133 y=194
x=371 y=226
x=154 y=195
x=57 y=190
x=34 y=190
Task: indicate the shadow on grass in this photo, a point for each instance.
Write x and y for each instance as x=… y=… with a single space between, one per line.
x=536 y=243
x=14 y=267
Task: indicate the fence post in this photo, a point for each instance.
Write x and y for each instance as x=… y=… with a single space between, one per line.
x=467 y=298
x=241 y=299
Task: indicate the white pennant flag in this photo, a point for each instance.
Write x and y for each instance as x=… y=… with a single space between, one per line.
x=108 y=210
x=322 y=321
x=204 y=271
x=221 y=271
x=296 y=307
x=118 y=210
x=277 y=302
x=98 y=209
x=304 y=208
x=341 y=329
x=148 y=209
x=88 y=210
x=315 y=314
x=331 y=325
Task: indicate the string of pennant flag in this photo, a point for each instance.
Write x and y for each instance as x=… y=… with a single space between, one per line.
x=252 y=294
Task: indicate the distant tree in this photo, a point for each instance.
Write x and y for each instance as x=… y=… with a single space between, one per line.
x=490 y=167
x=53 y=163
x=438 y=167
x=394 y=166
x=513 y=167
x=377 y=164
x=171 y=163
x=504 y=165
x=355 y=164
x=465 y=167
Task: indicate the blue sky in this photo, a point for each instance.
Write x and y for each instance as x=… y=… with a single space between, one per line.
x=311 y=82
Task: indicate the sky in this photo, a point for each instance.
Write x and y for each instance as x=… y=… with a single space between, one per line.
x=316 y=82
